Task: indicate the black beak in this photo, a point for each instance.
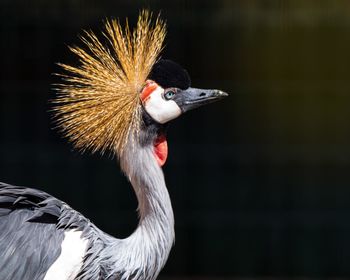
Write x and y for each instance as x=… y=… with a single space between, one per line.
x=192 y=98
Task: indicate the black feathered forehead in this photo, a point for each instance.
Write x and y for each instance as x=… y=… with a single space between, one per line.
x=167 y=74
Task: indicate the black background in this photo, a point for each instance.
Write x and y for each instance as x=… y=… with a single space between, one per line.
x=260 y=182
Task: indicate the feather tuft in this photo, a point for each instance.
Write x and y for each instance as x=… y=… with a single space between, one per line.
x=97 y=105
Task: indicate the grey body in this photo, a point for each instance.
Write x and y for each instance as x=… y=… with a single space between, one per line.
x=29 y=238
x=32 y=226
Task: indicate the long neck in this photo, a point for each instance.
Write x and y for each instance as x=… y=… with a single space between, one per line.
x=150 y=244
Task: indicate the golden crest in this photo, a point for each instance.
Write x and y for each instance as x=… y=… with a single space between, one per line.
x=98 y=105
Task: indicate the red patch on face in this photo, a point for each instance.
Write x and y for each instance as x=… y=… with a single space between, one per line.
x=161 y=150
x=147 y=90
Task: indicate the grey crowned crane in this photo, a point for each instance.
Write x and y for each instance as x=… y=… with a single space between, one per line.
x=119 y=99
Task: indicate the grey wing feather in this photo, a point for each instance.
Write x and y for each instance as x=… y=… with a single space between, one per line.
x=32 y=225
x=30 y=240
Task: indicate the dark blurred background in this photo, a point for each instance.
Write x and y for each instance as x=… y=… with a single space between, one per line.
x=260 y=182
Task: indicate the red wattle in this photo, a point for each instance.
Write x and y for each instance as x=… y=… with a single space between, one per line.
x=161 y=150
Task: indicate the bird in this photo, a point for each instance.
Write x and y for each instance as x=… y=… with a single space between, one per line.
x=119 y=99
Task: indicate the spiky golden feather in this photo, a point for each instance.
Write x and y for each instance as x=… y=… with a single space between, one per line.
x=97 y=105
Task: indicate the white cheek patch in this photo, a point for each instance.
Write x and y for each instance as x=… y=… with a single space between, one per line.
x=159 y=109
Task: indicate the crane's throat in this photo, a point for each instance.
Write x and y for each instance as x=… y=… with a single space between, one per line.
x=161 y=150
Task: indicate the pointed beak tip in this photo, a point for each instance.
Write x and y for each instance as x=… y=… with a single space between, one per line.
x=220 y=93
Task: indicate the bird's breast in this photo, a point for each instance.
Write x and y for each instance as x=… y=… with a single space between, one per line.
x=69 y=262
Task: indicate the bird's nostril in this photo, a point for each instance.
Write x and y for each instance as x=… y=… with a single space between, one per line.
x=202 y=94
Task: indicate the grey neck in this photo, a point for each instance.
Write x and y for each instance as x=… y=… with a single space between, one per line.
x=149 y=246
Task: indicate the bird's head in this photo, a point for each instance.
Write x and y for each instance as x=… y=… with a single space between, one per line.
x=168 y=93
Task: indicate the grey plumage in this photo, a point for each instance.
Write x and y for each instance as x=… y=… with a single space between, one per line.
x=32 y=225
x=29 y=239
x=37 y=221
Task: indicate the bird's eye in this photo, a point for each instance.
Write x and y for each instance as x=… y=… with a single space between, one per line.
x=169 y=94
